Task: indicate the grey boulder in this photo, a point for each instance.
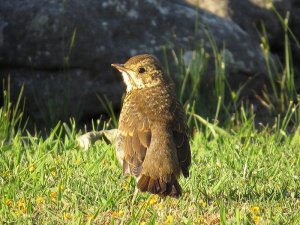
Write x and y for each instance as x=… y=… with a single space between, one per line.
x=62 y=50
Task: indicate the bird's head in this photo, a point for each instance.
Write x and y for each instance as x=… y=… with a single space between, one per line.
x=141 y=71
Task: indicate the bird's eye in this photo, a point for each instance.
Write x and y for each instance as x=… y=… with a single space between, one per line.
x=142 y=70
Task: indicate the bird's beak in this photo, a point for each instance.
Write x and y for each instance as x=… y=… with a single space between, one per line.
x=119 y=67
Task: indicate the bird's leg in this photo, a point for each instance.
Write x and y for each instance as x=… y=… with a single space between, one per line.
x=88 y=139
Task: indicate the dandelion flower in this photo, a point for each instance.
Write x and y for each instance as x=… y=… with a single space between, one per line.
x=23 y=210
x=153 y=199
x=21 y=203
x=255 y=210
x=17 y=212
x=53 y=173
x=161 y=205
x=125 y=186
x=78 y=161
x=120 y=213
x=202 y=203
x=31 y=167
x=256 y=219
x=39 y=200
x=89 y=216
x=117 y=213
x=20 y=207
x=169 y=219
x=67 y=216
x=202 y=220
x=53 y=196
x=9 y=202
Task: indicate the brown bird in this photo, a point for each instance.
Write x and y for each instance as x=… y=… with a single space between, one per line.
x=153 y=136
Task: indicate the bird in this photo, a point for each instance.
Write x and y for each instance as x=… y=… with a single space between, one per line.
x=153 y=140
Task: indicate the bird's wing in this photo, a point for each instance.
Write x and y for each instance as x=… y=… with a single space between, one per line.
x=180 y=133
x=183 y=151
x=135 y=136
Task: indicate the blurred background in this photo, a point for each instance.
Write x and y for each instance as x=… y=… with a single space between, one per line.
x=222 y=54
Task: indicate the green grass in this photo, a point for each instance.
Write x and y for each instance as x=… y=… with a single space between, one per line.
x=239 y=175
x=53 y=181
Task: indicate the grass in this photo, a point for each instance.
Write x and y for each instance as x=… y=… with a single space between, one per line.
x=241 y=178
x=239 y=175
x=10 y=116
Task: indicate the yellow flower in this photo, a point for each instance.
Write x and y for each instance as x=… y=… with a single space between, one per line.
x=169 y=219
x=117 y=214
x=143 y=223
x=57 y=160
x=255 y=210
x=23 y=210
x=202 y=203
x=21 y=203
x=202 y=220
x=89 y=216
x=20 y=207
x=173 y=202
x=161 y=205
x=120 y=213
x=256 y=219
x=67 y=216
x=31 y=167
x=53 y=173
x=153 y=199
x=125 y=186
x=53 y=196
x=39 y=200
x=9 y=202
x=78 y=161
x=17 y=212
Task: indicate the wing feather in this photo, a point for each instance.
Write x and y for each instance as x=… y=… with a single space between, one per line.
x=180 y=134
x=136 y=135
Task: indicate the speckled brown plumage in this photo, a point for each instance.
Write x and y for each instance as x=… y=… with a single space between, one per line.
x=153 y=132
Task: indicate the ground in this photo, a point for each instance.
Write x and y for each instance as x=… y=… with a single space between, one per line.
x=245 y=177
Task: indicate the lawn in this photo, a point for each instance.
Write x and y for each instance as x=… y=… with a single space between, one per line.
x=245 y=177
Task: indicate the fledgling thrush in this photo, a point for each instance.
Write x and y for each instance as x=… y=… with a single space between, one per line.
x=153 y=136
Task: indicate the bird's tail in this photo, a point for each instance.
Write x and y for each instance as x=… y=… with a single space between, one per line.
x=158 y=186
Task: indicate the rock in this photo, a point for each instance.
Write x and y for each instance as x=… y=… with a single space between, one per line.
x=249 y=14
x=52 y=46
x=57 y=95
x=294 y=24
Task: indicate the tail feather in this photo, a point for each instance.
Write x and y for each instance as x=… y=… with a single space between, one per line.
x=160 y=187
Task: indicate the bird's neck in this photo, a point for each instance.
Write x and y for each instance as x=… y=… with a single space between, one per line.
x=155 y=102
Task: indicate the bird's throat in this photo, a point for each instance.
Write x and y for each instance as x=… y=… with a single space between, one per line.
x=131 y=81
x=127 y=81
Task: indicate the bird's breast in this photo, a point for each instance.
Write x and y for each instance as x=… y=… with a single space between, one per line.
x=155 y=103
